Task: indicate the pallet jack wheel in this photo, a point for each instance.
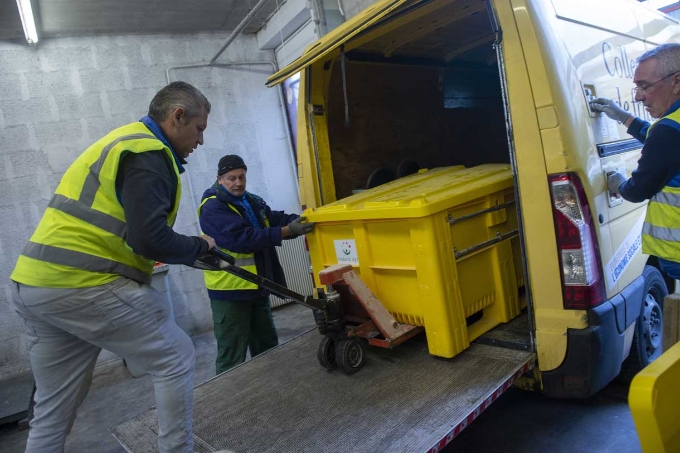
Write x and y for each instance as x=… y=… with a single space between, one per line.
x=326 y=353
x=350 y=355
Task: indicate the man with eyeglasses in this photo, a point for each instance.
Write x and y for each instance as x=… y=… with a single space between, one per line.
x=657 y=177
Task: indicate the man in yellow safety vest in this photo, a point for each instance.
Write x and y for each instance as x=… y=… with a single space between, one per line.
x=82 y=283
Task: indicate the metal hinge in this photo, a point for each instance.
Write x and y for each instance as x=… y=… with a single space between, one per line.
x=452 y=220
x=317 y=110
x=499 y=238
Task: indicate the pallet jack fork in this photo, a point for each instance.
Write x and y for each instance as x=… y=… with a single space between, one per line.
x=346 y=312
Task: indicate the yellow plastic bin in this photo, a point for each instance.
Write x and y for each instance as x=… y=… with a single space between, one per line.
x=435 y=248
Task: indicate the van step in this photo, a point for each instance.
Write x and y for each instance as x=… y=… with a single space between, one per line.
x=513 y=335
x=283 y=401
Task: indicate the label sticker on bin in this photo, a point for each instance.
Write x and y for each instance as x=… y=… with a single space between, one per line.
x=346 y=251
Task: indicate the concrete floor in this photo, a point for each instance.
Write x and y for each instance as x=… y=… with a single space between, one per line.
x=519 y=421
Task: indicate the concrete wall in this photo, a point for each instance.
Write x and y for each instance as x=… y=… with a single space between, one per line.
x=354 y=7
x=57 y=99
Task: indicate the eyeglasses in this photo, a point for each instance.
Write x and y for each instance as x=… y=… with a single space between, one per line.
x=641 y=90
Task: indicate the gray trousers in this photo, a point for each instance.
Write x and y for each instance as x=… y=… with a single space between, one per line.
x=67 y=328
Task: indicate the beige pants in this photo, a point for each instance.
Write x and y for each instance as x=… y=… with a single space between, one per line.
x=67 y=328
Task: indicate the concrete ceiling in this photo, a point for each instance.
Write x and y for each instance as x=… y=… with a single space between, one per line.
x=58 y=18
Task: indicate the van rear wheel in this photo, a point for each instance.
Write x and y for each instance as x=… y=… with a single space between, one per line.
x=647 y=339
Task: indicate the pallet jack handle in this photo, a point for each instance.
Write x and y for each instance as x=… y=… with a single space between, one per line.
x=217 y=260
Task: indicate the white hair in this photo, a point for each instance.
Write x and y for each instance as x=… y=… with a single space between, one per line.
x=668 y=56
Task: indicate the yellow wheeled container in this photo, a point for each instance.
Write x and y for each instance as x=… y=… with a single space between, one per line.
x=439 y=249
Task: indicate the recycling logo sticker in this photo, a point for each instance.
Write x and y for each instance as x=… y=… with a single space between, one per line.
x=346 y=251
x=346 y=248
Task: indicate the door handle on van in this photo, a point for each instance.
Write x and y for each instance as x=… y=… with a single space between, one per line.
x=614 y=199
x=590 y=94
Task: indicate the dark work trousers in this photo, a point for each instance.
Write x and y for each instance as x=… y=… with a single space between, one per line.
x=239 y=325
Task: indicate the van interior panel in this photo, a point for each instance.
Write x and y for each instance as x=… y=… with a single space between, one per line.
x=429 y=93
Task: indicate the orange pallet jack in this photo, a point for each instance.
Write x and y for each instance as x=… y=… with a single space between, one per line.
x=346 y=312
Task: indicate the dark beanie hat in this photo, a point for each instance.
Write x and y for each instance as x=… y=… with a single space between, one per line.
x=230 y=162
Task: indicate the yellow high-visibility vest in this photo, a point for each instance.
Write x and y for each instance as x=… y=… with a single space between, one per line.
x=661 y=230
x=80 y=240
x=224 y=281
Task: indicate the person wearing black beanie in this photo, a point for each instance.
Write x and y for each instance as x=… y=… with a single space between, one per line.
x=230 y=162
x=244 y=226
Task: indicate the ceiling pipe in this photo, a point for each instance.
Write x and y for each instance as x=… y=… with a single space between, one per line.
x=256 y=9
x=319 y=17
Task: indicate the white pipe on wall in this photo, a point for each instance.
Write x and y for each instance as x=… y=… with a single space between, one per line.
x=256 y=9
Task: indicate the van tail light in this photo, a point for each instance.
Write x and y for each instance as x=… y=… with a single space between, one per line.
x=582 y=282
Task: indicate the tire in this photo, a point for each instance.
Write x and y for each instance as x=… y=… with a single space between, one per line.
x=648 y=336
x=350 y=355
x=326 y=353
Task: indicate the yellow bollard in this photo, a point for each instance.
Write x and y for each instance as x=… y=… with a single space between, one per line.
x=654 y=401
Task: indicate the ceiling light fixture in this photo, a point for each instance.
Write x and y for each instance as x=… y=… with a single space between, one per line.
x=27 y=21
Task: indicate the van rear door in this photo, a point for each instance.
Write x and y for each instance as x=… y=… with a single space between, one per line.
x=604 y=48
x=625 y=218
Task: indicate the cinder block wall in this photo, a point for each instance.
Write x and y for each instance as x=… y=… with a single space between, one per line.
x=58 y=98
x=354 y=7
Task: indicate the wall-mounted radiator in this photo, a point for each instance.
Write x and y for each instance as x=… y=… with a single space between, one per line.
x=296 y=267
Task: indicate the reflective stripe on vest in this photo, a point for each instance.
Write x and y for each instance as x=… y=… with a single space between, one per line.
x=661 y=231
x=82 y=211
x=224 y=281
x=665 y=234
x=78 y=260
x=80 y=240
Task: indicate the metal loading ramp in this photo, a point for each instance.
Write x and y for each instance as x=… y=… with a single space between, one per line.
x=403 y=400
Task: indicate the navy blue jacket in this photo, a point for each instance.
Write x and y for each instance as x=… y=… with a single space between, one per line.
x=660 y=160
x=236 y=233
x=146 y=185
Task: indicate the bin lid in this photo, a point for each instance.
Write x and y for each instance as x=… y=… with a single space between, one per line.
x=418 y=195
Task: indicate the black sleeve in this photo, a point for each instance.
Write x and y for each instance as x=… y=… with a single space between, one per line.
x=147 y=187
x=660 y=161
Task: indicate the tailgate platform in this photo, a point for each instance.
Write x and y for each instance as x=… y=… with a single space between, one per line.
x=284 y=401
